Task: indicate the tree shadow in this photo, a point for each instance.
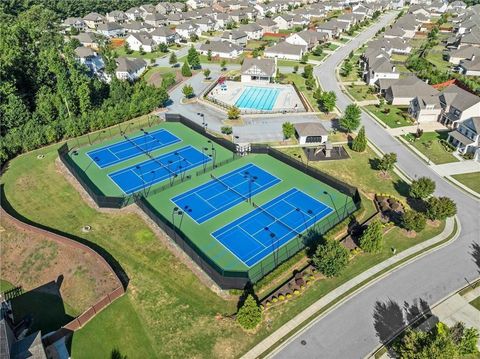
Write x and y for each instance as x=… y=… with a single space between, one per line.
x=390 y=319
x=374 y=163
x=417 y=204
x=248 y=290
x=117 y=354
x=402 y=187
x=476 y=254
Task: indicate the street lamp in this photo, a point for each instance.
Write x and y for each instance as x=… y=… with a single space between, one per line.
x=333 y=203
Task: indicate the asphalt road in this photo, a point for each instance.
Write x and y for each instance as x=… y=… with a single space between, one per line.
x=357 y=326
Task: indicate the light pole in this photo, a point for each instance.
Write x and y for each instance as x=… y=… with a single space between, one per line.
x=174 y=212
x=333 y=203
x=204 y=123
x=214 y=152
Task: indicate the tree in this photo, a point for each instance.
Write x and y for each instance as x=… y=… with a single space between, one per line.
x=163 y=47
x=209 y=55
x=307 y=71
x=330 y=258
x=347 y=69
x=414 y=221
x=227 y=130
x=295 y=69
x=387 y=162
x=233 y=113
x=359 y=144
x=141 y=50
x=206 y=73
x=187 y=91
x=193 y=58
x=422 y=188
x=194 y=37
x=249 y=315
x=372 y=238
x=127 y=48
x=304 y=58
x=318 y=51
x=439 y=208
x=288 y=130
x=173 y=59
x=186 y=72
x=310 y=83
x=351 y=119
x=327 y=101
x=223 y=64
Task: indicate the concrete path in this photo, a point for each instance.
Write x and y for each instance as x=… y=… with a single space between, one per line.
x=349 y=331
x=455 y=168
x=426 y=127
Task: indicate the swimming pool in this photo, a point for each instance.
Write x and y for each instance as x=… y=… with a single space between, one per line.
x=259 y=98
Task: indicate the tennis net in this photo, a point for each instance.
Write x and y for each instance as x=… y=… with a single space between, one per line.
x=276 y=219
x=230 y=188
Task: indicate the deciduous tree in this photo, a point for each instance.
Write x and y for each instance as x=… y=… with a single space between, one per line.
x=330 y=258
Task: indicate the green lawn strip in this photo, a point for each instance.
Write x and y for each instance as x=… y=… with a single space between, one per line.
x=360 y=92
x=436 y=58
x=204 y=60
x=5 y=285
x=332 y=47
x=344 y=40
x=358 y=286
x=476 y=303
x=394 y=118
x=430 y=146
x=161 y=70
x=399 y=57
x=317 y=58
x=471 y=180
x=100 y=176
x=289 y=63
x=299 y=81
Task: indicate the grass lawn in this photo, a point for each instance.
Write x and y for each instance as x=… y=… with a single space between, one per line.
x=436 y=58
x=399 y=57
x=5 y=285
x=147 y=56
x=300 y=83
x=476 y=303
x=360 y=92
x=317 y=58
x=332 y=47
x=355 y=73
x=158 y=69
x=471 y=180
x=392 y=119
x=290 y=63
x=255 y=44
x=166 y=310
x=343 y=40
x=430 y=146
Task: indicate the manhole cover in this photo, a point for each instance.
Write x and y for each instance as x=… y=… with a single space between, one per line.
x=303 y=342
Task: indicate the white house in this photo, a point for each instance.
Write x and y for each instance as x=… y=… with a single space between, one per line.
x=187 y=29
x=116 y=16
x=466 y=137
x=111 y=29
x=129 y=69
x=470 y=67
x=93 y=19
x=76 y=23
x=286 y=51
x=284 y=21
x=258 y=70
x=164 y=35
x=89 y=57
x=311 y=133
x=141 y=41
x=308 y=39
x=458 y=105
x=222 y=49
x=253 y=31
x=236 y=37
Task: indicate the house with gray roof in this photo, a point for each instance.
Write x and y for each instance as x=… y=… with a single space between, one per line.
x=141 y=41
x=130 y=69
x=307 y=38
x=116 y=16
x=155 y=19
x=253 y=31
x=470 y=67
x=223 y=49
x=286 y=51
x=425 y=108
x=402 y=91
x=164 y=35
x=236 y=37
x=268 y=25
x=110 y=29
x=458 y=105
x=258 y=70
x=90 y=58
x=76 y=23
x=466 y=137
x=93 y=19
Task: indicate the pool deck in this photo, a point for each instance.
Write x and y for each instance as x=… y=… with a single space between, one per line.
x=287 y=97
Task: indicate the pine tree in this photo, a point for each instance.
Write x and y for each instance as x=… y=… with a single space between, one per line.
x=359 y=144
x=186 y=72
x=372 y=238
x=250 y=314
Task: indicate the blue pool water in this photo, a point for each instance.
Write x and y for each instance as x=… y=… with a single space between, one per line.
x=258 y=98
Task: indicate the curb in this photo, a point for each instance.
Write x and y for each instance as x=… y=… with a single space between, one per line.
x=374 y=278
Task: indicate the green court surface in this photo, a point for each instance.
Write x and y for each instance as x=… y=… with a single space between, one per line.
x=267 y=239
x=105 y=185
x=201 y=234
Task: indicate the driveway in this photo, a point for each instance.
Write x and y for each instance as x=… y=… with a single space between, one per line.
x=356 y=327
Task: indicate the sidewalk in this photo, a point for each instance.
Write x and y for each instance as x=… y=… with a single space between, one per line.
x=426 y=127
x=455 y=168
x=311 y=311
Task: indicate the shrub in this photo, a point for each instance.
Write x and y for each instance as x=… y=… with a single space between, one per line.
x=330 y=258
x=281 y=297
x=422 y=188
x=372 y=238
x=233 y=113
x=359 y=144
x=440 y=208
x=226 y=130
x=274 y=299
x=414 y=221
x=250 y=314
x=296 y=292
x=289 y=295
x=288 y=130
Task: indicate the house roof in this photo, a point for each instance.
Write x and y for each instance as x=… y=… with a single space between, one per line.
x=266 y=66
x=93 y=16
x=284 y=47
x=473 y=124
x=86 y=37
x=83 y=52
x=235 y=34
x=459 y=98
x=471 y=65
x=125 y=64
x=310 y=129
x=461 y=137
x=403 y=88
x=162 y=31
x=220 y=46
x=109 y=26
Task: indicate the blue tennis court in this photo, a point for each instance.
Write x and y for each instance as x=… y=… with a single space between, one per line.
x=216 y=196
x=263 y=230
x=259 y=98
x=157 y=169
x=132 y=147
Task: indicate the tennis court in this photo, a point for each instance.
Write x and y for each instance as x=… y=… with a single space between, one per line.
x=132 y=147
x=218 y=195
x=157 y=169
x=262 y=231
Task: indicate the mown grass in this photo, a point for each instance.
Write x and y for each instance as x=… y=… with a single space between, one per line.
x=361 y=92
x=476 y=303
x=5 y=285
x=395 y=117
x=429 y=145
x=471 y=180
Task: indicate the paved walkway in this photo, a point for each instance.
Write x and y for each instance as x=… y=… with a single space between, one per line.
x=341 y=290
x=455 y=168
x=426 y=127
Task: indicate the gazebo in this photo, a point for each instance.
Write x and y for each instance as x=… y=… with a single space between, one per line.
x=311 y=133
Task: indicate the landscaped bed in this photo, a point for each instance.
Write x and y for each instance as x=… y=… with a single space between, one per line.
x=392 y=116
x=432 y=145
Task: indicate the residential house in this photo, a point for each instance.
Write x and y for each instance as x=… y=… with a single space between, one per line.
x=88 y=39
x=156 y=19
x=425 y=108
x=268 y=25
x=300 y=20
x=111 y=29
x=470 y=67
x=135 y=27
x=187 y=29
x=147 y=9
x=457 y=55
x=93 y=19
x=258 y=70
x=402 y=91
x=116 y=16
x=90 y=58
x=458 y=105
x=457 y=6
x=284 y=21
x=141 y=41
x=76 y=23
x=253 y=31
x=164 y=35
x=130 y=69
x=265 y=8
x=311 y=133
x=466 y=137
x=330 y=28
x=134 y=14
x=286 y=51
x=236 y=37
x=223 y=49
x=307 y=38
x=377 y=67
x=206 y=24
